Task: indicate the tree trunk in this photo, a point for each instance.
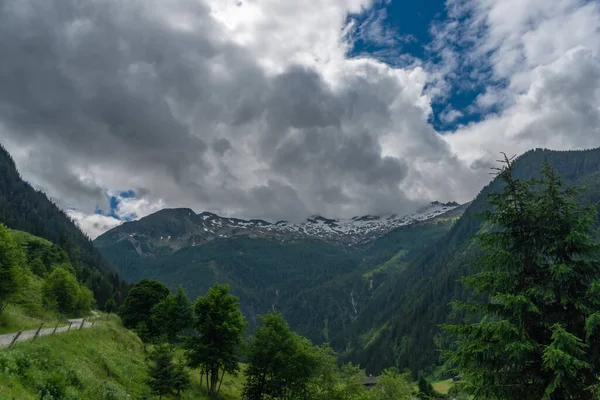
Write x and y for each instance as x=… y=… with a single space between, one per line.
x=220 y=383
x=214 y=378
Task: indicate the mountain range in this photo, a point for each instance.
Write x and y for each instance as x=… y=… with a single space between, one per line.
x=181 y=227
x=375 y=287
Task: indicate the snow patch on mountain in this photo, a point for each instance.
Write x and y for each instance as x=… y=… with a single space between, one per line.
x=178 y=228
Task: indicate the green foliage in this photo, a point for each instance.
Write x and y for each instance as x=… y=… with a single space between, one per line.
x=136 y=311
x=326 y=374
x=92 y=363
x=11 y=266
x=427 y=391
x=309 y=282
x=220 y=327
x=392 y=385
x=181 y=378
x=62 y=293
x=110 y=306
x=172 y=315
x=414 y=302
x=282 y=364
x=351 y=383
x=164 y=376
x=425 y=388
x=540 y=270
x=85 y=300
x=25 y=209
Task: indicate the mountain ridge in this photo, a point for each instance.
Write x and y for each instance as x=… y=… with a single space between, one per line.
x=181 y=227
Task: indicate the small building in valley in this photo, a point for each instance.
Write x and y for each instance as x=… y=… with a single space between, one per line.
x=370 y=382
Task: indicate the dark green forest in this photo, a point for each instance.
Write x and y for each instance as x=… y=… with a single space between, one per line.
x=415 y=304
x=319 y=287
x=25 y=209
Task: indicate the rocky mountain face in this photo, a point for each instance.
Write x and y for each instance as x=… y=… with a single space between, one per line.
x=182 y=227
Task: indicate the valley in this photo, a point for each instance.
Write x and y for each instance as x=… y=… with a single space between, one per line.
x=376 y=288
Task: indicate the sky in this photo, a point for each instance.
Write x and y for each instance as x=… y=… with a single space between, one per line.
x=280 y=109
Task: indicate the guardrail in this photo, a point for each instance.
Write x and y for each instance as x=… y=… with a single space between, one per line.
x=9 y=339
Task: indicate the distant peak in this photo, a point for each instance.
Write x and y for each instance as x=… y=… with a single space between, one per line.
x=366 y=218
x=177 y=211
x=319 y=218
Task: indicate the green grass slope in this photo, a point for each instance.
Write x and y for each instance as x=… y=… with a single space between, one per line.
x=103 y=362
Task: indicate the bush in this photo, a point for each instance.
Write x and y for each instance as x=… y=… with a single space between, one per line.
x=54 y=387
x=61 y=291
x=112 y=391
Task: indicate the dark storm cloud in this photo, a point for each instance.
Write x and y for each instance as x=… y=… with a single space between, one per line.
x=118 y=87
x=221 y=146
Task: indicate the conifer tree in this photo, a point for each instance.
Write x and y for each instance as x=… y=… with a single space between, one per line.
x=538 y=336
x=162 y=373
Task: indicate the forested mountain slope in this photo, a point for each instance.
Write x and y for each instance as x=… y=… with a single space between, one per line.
x=320 y=286
x=401 y=318
x=25 y=209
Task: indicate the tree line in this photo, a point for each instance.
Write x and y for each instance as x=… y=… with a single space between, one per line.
x=276 y=362
x=28 y=263
x=26 y=209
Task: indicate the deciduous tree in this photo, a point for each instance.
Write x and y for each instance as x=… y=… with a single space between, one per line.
x=137 y=309
x=61 y=291
x=12 y=262
x=220 y=326
x=282 y=364
x=173 y=314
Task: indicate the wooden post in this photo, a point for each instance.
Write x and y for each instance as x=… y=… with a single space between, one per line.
x=15 y=338
x=70 y=323
x=56 y=327
x=82 y=322
x=38 y=331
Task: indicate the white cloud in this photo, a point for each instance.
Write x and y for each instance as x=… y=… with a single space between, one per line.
x=254 y=110
x=547 y=52
x=93 y=224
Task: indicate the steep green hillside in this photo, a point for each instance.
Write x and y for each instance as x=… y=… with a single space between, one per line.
x=42 y=283
x=25 y=209
x=103 y=362
x=404 y=314
x=319 y=287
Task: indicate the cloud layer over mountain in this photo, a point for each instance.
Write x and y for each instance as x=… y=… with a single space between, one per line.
x=254 y=108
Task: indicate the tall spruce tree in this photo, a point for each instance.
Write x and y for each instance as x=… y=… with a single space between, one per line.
x=538 y=335
x=162 y=372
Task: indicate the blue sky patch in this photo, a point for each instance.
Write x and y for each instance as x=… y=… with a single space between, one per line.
x=113 y=203
x=398 y=32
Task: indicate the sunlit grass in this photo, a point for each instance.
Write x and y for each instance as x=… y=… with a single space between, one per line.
x=442 y=386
